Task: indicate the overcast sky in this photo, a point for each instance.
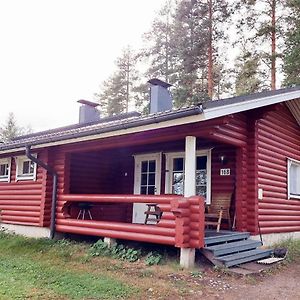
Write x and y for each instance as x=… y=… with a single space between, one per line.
x=55 y=52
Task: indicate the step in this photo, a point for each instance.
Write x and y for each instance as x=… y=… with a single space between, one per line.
x=233 y=247
x=226 y=238
x=242 y=257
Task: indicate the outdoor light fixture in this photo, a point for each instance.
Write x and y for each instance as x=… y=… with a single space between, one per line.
x=223 y=159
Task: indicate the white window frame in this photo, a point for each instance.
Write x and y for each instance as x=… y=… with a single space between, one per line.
x=6 y=161
x=169 y=170
x=138 y=158
x=291 y=161
x=19 y=168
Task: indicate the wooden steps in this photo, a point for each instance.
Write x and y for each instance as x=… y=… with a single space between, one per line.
x=232 y=248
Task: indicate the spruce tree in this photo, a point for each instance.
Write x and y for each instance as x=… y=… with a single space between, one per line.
x=116 y=93
x=247 y=74
x=10 y=129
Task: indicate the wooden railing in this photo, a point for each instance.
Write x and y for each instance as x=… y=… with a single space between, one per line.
x=182 y=223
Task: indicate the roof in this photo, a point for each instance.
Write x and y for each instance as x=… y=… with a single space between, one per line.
x=134 y=122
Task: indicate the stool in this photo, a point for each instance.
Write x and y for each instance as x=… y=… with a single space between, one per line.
x=153 y=210
x=84 y=209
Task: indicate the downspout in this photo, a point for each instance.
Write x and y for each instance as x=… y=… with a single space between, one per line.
x=54 y=187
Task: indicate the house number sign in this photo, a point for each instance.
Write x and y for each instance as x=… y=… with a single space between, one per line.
x=224 y=172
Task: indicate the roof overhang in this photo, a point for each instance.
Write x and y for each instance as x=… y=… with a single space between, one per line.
x=292 y=98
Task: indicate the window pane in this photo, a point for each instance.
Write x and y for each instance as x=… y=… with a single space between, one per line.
x=178 y=164
x=26 y=167
x=201 y=162
x=144 y=190
x=144 y=179
x=151 y=190
x=152 y=166
x=151 y=179
x=144 y=166
x=294 y=179
x=31 y=169
x=4 y=170
x=201 y=177
x=178 y=183
x=201 y=191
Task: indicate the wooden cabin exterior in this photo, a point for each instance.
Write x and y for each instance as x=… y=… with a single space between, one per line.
x=249 y=147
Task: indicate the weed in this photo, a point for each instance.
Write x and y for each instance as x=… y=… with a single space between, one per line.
x=196 y=274
x=101 y=248
x=153 y=258
x=293 y=247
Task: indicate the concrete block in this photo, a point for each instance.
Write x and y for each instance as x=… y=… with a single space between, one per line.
x=187 y=257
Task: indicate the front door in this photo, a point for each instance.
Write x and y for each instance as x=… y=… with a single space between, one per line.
x=147 y=177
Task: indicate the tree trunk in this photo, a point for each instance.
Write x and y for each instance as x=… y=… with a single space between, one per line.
x=210 y=52
x=273 y=46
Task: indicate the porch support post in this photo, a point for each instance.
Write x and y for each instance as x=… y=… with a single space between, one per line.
x=187 y=255
x=190 y=166
x=110 y=241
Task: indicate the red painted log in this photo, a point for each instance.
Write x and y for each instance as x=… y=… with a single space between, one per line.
x=118 y=235
x=118 y=226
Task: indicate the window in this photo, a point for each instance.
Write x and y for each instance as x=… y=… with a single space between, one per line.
x=175 y=173
x=293 y=178
x=25 y=168
x=5 y=169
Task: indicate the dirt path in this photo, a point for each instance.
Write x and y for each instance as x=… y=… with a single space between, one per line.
x=283 y=284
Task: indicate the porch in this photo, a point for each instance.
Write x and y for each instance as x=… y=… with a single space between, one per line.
x=119 y=176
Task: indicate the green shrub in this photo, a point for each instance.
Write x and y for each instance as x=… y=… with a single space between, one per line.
x=101 y=248
x=153 y=258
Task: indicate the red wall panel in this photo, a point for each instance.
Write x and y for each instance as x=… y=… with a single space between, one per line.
x=24 y=202
x=278 y=139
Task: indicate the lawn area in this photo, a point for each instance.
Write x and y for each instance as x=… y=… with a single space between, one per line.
x=46 y=269
x=43 y=269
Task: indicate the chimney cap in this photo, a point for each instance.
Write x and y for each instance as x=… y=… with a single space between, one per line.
x=89 y=103
x=156 y=81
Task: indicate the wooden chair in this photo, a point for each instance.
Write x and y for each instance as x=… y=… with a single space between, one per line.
x=153 y=213
x=218 y=210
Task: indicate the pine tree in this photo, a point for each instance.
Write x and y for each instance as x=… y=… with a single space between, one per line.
x=292 y=52
x=191 y=40
x=264 y=22
x=160 y=49
x=199 y=27
x=117 y=91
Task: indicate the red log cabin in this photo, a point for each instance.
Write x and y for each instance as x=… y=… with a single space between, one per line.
x=99 y=176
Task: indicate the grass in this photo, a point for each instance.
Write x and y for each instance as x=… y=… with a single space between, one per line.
x=293 y=247
x=44 y=269
x=47 y=269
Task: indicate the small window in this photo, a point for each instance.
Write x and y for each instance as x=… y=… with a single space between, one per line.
x=25 y=168
x=293 y=178
x=5 y=169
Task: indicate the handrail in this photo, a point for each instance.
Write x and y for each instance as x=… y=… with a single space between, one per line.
x=120 y=198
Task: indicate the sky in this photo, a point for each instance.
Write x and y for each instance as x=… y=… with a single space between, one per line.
x=55 y=52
